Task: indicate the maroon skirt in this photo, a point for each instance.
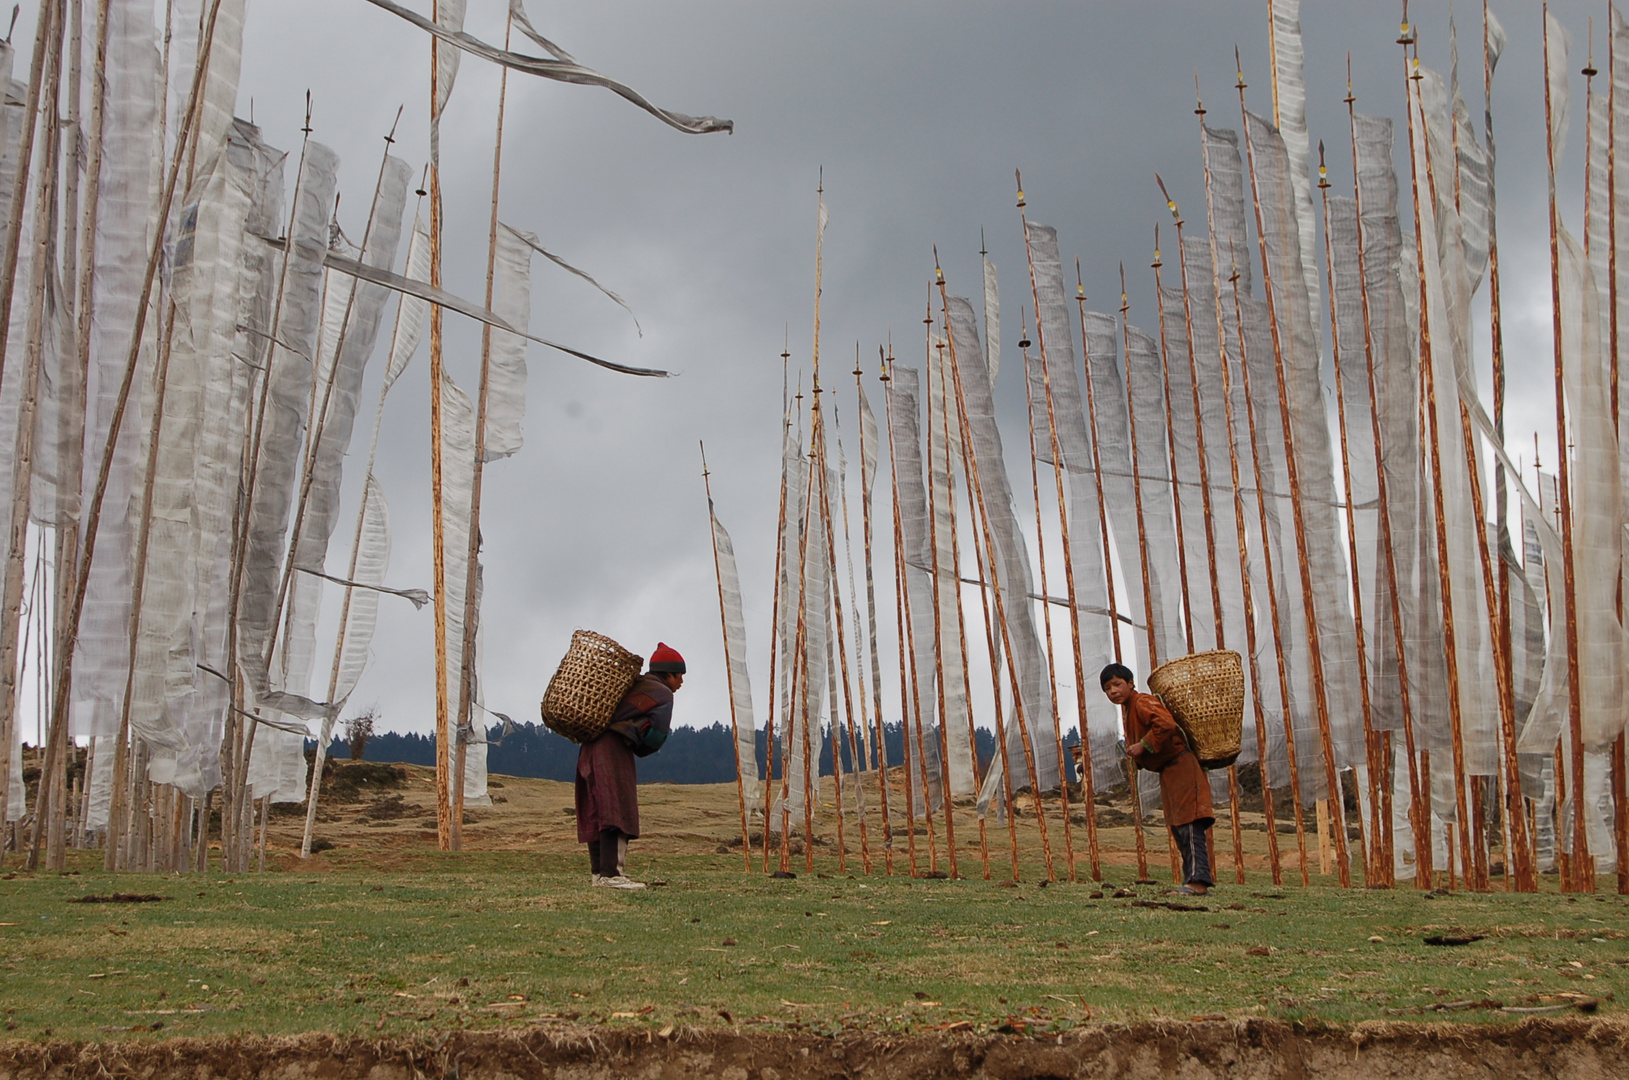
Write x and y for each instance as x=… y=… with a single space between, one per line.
x=607 y=788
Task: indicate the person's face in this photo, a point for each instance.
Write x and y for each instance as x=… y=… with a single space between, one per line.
x=1118 y=690
x=674 y=679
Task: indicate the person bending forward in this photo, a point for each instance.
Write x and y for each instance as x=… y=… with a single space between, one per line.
x=1154 y=742
x=607 y=777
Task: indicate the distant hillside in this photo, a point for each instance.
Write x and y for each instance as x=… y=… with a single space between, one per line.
x=690 y=756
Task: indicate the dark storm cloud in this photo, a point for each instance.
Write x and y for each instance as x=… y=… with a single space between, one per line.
x=919 y=114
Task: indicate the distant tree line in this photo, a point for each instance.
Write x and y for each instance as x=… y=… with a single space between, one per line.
x=703 y=755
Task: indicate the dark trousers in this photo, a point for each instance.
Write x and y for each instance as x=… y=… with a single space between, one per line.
x=605 y=853
x=1192 y=841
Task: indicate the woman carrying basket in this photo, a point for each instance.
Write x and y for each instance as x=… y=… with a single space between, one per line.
x=607 y=777
x=1154 y=742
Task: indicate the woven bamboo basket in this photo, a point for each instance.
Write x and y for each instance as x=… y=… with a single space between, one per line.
x=1205 y=692
x=588 y=686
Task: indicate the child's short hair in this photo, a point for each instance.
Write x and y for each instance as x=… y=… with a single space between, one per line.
x=1116 y=671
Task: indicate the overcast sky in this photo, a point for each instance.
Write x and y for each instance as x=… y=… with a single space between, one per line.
x=919 y=113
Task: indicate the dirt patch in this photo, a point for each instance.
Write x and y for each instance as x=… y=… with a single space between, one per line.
x=118 y=898
x=1197 y=1050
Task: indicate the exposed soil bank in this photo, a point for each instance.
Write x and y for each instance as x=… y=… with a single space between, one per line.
x=1256 y=1050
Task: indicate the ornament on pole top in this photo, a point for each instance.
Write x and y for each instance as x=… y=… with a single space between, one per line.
x=1170 y=203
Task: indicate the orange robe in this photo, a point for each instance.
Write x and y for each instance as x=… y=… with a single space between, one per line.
x=1183 y=788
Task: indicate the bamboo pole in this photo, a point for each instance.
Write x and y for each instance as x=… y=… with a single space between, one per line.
x=1108 y=567
x=774 y=620
x=811 y=765
x=993 y=651
x=916 y=688
x=438 y=546
x=800 y=668
x=45 y=30
x=961 y=628
x=938 y=615
x=466 y=668
x=1372 y=875
x=792 y=707
x=961 y=631
x=1272 y=588
x=70 y=427
x=1314 y=646
x=833 y=603
x=1046 y=607
x=859 y=734
x=1088 y=793
x=1000 y=608
x=907 y=671
x=871 y=627
x=1583 y=871
x=729 y=670
x=1419 y=812
x=1450 y=648
x=1170 y=450
x=1206 y=499
x=1519 y=868
x=42 y=260
x=1142 y=532
x=1620 y=796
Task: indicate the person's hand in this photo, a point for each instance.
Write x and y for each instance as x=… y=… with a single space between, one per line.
x=1136 y=750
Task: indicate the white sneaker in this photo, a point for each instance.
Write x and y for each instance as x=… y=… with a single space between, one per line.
x=620 y=882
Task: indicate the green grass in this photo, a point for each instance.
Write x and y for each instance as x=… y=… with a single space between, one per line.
x=489 y=940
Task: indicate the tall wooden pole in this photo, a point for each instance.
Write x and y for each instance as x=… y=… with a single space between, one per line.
x=1209 y=509
x=993 y=650
x=961 y=622
x=876 y=661
x=729 y=668
x=438 y=544
x=902 y=614
x=1272 y=588
x=1620 y=795
x=775 y=622
x=1108 y=566
x=42 y=259
x=994 y=578
x=1372 y=874
x=938 y=614
x=1314 y=645
x=856 y=739
x=1428 y=374
x=1419 y=813
x=793 y=708
x=1583 y=869
x=1088 y=793
x=1142 y=529
x=1472 y=830
x=836 y=601
x=1046 y=604
x=472 y=564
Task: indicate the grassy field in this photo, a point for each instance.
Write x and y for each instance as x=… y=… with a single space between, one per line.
x=355 y=943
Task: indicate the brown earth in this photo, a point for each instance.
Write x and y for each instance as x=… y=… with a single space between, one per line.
x=1260 y=1050
x=384 y=815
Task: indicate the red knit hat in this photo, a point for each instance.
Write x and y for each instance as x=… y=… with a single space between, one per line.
x=666 y=659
